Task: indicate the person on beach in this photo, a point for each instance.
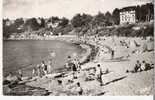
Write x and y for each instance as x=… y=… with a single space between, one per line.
x=69 y=63
x=52 y=54
x=20 y=73
x=59 y=82
x=39 y=71
x=79 y=89
x=50 y=61
x=77 y=63
x=34 y=72
x=143 y=65
x=99 y=74
x=146 y=66
x=67 y=66
x=69 y=60
x=137 y=67
x=112 y=54
x=49 y=67
x=43 y=68
x=74 y=70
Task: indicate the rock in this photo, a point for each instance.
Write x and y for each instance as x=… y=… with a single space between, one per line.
x=6 y=82
x=6 y=89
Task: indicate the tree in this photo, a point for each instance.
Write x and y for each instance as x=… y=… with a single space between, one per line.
x=144 y=11
x=76 y=21
x=99 y=19
x=6 y=30
x=86 y=19
x=116 y=16
x=55 y=19
x=108 y=18
x=32 y=24
x=81 y=20
x=150 y=11
x=138 y=13
x=42 y=25
x=18 y=22
x=64 y=22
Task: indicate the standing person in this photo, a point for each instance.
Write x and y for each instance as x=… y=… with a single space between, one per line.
x=67 y=66
x=113 y=50
x=112 y=54
x=51 y=61
x=49 y=67
x=43 y=68
x=39 y=71
x=77 y=63
x=34 y=72
x=74 y=69
x=20 y=73
x=69 y=62
x=99 y=74
x=79 y=90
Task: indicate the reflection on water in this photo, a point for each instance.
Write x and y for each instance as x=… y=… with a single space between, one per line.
x=22 y=54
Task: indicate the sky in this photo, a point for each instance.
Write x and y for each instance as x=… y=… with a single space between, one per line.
x=62 y=8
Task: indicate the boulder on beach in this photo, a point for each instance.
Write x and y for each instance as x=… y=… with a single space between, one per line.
x=6 y=89
x=12 y=78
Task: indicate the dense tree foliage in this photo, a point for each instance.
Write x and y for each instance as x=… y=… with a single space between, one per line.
x=99 y=19
x=55 y=19
x=32 y=24
x=81 y=20
x=64 y=22
x=43 y=24
x=80 y=23
x=115 y=15
x=109 y=20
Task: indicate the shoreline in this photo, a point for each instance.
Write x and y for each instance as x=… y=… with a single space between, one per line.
x=117 y=81
x=86 y=58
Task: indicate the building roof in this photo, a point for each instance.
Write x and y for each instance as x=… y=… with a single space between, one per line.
x=130 y=8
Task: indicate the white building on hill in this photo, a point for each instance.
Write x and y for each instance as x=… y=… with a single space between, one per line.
x=127 y=15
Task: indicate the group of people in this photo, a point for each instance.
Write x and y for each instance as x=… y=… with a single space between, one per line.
x=41 y=69
x=73 y=64
x=141 y=66
x=96 y=73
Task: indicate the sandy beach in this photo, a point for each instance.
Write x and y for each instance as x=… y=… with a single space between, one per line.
x=116 y=82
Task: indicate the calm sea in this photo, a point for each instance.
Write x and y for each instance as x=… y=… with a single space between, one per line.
x=25 y=54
